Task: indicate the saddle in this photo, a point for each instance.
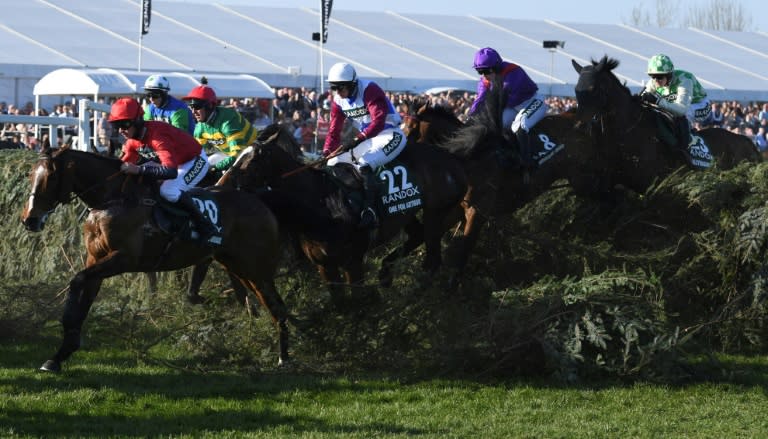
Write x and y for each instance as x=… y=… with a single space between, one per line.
x=398 y=191
x=176 y=222
x=543 y=146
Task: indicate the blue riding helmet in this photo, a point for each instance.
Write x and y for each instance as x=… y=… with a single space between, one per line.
x=487 y=58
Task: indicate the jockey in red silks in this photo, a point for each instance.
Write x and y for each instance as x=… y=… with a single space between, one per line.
x=380 y=139
x=524 y=107
x=161 y=151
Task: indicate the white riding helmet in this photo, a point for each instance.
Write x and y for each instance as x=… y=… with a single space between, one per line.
x=342 y=72
x=157 y=82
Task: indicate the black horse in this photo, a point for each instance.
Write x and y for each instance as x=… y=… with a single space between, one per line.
x=418 y=191
x=628 y=136
x=488 y=150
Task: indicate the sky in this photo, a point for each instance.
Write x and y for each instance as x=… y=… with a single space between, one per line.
x=597 y=11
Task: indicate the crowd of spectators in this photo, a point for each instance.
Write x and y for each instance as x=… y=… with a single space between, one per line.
x=306 y=113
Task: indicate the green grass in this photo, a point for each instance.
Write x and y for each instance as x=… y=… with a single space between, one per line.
x=106 y=393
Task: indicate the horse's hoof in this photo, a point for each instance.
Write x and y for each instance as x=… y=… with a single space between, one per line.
x=195 y=299
x=51 y=366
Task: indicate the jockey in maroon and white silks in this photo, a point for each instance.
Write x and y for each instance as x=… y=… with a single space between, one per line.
x=364 y=103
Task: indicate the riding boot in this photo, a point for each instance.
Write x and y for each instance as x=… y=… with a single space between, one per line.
x=524 y=149
x=207 y=233
x=368 y=218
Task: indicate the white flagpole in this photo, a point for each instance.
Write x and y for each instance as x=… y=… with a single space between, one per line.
x=322 y=69
x=141 y=31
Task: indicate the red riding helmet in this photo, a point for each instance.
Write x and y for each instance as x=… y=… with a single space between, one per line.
x=202 y=94
x=126 y=109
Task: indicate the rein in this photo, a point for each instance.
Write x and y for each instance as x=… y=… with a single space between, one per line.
x=73 y=195
x=313 y=164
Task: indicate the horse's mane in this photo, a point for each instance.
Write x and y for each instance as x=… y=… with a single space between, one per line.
x=438 y=112
x=285 y=138
x=112 y=161
x=607 y=64
x=484 y=127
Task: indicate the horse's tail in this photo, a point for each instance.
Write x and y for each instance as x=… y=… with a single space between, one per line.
x=298 y=215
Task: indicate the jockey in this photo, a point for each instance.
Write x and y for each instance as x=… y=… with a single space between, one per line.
x=164 y=107
x=182 y=162
x=380 y=139
x=525 y=107
x=223 y=131
x=679 y=93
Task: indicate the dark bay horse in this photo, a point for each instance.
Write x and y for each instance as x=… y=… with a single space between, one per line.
x=626 y=132
x=422 y=179
x=289 y=144
x=484 y=146
x=121 y=235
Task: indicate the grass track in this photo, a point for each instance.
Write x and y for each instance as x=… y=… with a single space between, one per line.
x=109 y=394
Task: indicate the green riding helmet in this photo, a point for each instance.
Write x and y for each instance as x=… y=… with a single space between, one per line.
x=660 y=65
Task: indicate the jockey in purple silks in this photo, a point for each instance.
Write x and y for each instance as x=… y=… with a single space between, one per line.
x=524 y=107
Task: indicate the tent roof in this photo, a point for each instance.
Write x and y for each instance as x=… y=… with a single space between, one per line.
x=109 y=82
x=91 y=82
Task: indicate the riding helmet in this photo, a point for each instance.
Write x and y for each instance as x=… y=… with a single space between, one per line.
x=660 y=65
x=342 y=73
x=202 y=94
x=486 y=58
x=157 y=83
x=126 y=109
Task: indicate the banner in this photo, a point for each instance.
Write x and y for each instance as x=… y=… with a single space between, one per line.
x=326 y=15
x=146 y=15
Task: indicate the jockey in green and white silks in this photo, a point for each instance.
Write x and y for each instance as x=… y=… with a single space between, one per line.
x=681 y=93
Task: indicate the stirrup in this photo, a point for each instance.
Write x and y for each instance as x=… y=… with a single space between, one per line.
x=368 y=219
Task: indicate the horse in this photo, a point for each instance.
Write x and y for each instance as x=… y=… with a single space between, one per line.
x=123 y=232
x=487 y=149
x=629 y=134
x=422 y=179
x=431 y=124
x=289 y=144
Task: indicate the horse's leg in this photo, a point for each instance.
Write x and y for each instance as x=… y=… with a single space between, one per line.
x=415 y=237
x=267 y=293
x=81 y=294
x=354 y=277
x=83 y=289
x=241 y=293
x=152 y=282
x=199 y=272
x=473 y=223
x=331 y=276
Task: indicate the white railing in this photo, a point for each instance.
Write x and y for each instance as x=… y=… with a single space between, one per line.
x=85 y=130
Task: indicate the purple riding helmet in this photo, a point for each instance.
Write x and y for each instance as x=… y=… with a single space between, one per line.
x=486 y=58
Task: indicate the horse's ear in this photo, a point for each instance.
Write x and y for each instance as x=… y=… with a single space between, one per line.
x=576 y=66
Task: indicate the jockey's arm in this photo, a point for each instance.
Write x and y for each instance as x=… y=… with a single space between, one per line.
x=377 y=104
x=333 y=139
x=679 y=107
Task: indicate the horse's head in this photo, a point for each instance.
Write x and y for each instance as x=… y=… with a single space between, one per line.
x=593 y=88
x=50 y=186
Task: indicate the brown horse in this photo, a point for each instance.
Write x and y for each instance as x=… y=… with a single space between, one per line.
x=289 y=144
x=422 y=179
x=486 y=148
x=627 y=134
x=122 y=233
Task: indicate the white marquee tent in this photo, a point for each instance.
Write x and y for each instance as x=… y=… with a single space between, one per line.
x=103 y=82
